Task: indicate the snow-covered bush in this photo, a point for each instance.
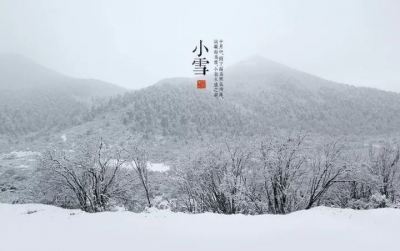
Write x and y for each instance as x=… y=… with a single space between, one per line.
x=214 y=181
x=92 y=174
x=375 y=201
x=384 y=167
x=278 y=175
x=359 y=204
x=379 y=200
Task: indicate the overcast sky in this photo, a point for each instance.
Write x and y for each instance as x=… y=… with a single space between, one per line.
x=136 y=43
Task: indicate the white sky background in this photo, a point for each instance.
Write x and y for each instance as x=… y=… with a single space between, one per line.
x=137 y=43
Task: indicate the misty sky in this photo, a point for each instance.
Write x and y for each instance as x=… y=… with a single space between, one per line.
x=136 y=43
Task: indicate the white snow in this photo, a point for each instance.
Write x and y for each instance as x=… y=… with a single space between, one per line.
x=158 y=167
x=23 y=166
x=21 y=154
x=51 y=228
x=64 y=137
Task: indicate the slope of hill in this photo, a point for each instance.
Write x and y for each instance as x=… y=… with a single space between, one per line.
x=287 y=97
x=35 y=98
x=18 y=73
x=260 y=96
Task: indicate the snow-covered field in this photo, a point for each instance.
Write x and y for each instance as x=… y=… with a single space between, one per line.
x=47 y=228
x=158 y=167
x=20 y=154
x=155 y=167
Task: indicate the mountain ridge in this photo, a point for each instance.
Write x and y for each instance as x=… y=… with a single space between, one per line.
x=259 y=97
x=19 y=72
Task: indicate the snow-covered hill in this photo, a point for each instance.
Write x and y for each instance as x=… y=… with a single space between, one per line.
x=46 y=228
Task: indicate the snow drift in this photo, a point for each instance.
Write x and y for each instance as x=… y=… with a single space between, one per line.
x=32 y=227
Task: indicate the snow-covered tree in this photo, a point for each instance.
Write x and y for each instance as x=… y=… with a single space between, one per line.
x=92 y=171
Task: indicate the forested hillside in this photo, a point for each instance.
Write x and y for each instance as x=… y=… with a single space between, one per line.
x=260 y=96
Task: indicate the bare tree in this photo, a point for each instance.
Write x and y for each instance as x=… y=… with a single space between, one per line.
x=284 y=163
x=285 y=175
x=184 y=178
x=214 y=180
x=385 y=166
x=92 y=171
x=240 y=157
x=138 y=160
x=326 y=168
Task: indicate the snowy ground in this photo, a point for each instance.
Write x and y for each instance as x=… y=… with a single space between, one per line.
x=55 y=229
x=17 y=159
x=64 y=137
x=158 y=167
x=20 y=154
x=24 y=159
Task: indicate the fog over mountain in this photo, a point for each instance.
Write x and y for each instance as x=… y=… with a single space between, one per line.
x=18 y=73
x=265 y=95
x=34 y=98
x=136 y=43
x=260 y=96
